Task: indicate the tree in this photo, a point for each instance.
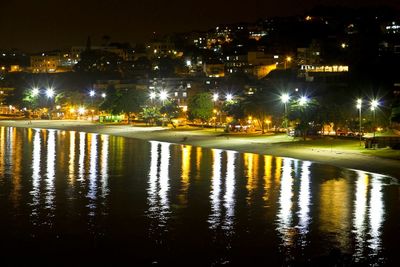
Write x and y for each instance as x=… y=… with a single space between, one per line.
x=123 y=101
x=150 y=114
x=200 y=106
x=258 y=106
x=304 y=111
x=171 y=110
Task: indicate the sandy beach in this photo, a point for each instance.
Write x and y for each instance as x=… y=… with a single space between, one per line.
x=265 y=145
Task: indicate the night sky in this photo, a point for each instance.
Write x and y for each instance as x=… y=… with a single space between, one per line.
x=33 y=25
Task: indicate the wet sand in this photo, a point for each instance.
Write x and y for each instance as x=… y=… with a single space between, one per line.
x=210 y=139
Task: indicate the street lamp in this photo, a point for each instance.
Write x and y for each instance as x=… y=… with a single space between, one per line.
x=229 y=97
x=215 y=97
x=163 y=96
x=215 y=118
x=303 y=101
x=374 y=105
x=50 y=92
x=152 y=97
x=103 y=95
x=359 y=106
x=285 y=99
x=35 y=92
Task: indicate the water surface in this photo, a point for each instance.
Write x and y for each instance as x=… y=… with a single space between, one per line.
x=74 y=198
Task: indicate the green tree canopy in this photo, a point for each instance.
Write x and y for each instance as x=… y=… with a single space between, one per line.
x=200 y=106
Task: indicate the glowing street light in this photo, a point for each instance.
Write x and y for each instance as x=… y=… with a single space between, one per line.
x=303 y=101
x=81 y=110
x=103 y=95
x=229 y=97
x=215 y=97
x=50 y=92
x=374 y=105
x=35 y=92
x=359 y=107
x=163 y=96
x=91 y=93
x=285 y=99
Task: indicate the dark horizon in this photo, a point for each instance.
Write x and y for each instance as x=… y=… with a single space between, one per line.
x=34 y=27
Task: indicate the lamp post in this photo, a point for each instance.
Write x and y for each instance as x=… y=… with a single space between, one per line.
x=285 y=99
x=152 y=97
x=359 y=106
x=50 y=94
x=215 y=99
x=374 y=105
x=163 y=96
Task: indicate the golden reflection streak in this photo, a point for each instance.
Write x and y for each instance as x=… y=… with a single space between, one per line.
x=92 y=172
x=304 y=198
x=229 y=197
x=360 y=210
x=285 y=204
x=214 y=218
x=335 y=211
x=278 y=168
x=71 y=165
x=104 y=164
x=199 y=154
x=51 y=156
x=2 y=151
x=36 y=158
x=82 y=148
x=267 y=176
x=376 y=214
x=30 y=135
x=186 y=150
x=17 y=164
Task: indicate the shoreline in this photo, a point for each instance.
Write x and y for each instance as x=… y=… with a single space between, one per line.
x=263 y=145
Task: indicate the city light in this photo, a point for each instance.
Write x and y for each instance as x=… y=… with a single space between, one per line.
x=152 y=95
x=35 y=92
x=285 y=98
x=50 y=92
x=215 y=97
x=359 y=106
x=91 y=93
x=359 y=103
x=103 y=95
x=163 y=95
x=81 y=110
x=374 y=104
x=303 y=101
x=229 y=97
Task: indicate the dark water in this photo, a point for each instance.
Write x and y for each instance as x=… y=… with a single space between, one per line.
x=77 y=199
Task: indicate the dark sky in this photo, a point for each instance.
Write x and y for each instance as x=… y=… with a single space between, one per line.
x=34 y=25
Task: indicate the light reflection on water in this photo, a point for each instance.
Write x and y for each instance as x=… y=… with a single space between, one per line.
x=300 y=205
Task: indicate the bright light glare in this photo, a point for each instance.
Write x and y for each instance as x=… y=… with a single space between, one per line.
x=285 y=98
x=229 y=97
x=103 y=95
x=374 y=104
x=81 y=110
x=50 y=93
x=359 y=103
x=163 y=95
x=152 y=95
x=303 y=100
x=35 y=91
x=215 y=97
x=91 y=93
